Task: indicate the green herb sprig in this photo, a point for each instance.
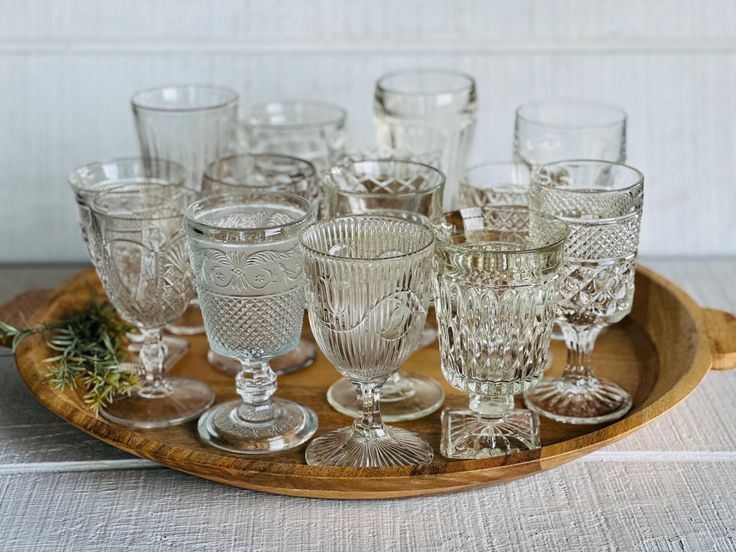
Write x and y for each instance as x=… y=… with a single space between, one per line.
x=88 y=345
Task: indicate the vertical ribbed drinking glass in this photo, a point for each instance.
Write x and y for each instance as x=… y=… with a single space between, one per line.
x=440 y=99
x=496 y=184
x=498 y=270
x=368 y=290
x=602 y=204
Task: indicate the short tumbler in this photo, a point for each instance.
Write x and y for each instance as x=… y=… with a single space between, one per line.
x=498 y=270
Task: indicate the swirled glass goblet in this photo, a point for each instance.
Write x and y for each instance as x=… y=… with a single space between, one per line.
x=249 y=275
x=143 y=266
x=498 y=270
x=264 y=172
x=368 y=290
x=496 y=184
x=402 y=189
x=602 y=203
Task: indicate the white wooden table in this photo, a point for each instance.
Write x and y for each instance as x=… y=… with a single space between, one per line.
x=670 y=486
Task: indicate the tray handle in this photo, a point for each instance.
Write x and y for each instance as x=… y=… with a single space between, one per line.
x=721 y=329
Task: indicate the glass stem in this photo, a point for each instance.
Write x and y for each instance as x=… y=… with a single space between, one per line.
x=579 y=341
x=368 y=422
x=491 y=407
x=152 y=358
x=256 y=383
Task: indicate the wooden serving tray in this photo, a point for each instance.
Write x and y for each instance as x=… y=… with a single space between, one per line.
x=659 y=353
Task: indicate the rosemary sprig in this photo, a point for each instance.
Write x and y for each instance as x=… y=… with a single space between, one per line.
x=88 y=346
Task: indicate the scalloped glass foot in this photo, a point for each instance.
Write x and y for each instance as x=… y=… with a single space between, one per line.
x=179 y=401
x=346 y=447
x=291 y=425
x=591 y=401
x=467 y=436
x=414 y=397
x=189 y=323
x=302 y=356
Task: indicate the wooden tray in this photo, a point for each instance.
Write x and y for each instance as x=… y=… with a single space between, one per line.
x=659 y=353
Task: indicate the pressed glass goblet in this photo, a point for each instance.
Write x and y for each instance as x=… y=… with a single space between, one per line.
x=444 y=100
x=498 y=270
x=144 y=269
x=192 y=125
x=602 y=204
x=555 y=130
x=249 y=275
x=401 y=189
x=368 y=290
x=264 y=172
x=496 y=184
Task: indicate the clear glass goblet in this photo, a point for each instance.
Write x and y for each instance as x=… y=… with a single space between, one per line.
x=602 y=204
x=193 y=125
x=497 y=184
x=444 y=100
x=144 y=269
x=498 y=270
x=368 y=290
x=264 y=172
x=249 y=274
x=403 y=189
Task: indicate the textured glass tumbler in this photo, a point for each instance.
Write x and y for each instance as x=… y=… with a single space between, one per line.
x=555 y=130
x=402 y=189
x=498 y=184
x=144 y=269
x=192 y=125
x=602 y=204
x=264 y=172
x=420 y=144
x=440 y=99
x=249 y=274
x=368 y=290
x=498 y=270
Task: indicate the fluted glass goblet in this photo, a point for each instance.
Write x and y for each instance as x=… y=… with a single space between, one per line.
x=249 y=274
x=406 y=190
x=144 y=269
x=368 y=290
x=602 y=204
x=193 y=125
x=264 y=172
x=498 y=270
x=444 y=100
x=497 y=184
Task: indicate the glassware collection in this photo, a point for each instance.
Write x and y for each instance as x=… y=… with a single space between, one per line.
x=255 y=219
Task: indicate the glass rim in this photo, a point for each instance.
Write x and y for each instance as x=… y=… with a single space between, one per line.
x=332 y=221
x=208 y=174
x=589 y=162
x=381 y=85
x=119 y=161
x=338 y=118
x=232 y=100
x=426 y=191
x=154 y=186
x=444 y=243
x=621 y=117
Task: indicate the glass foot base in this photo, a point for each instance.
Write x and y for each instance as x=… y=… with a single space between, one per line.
x=467 y=436
x=346 y=447
x=414 y=397
x=292 y=425
x=184 y=400
x=189 y=323
x=593 y=401
x=302 y=356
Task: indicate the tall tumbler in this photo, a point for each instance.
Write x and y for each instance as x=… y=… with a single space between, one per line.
x=192 y=125
x=441 y=99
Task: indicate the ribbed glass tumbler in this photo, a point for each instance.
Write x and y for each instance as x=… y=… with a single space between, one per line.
x=602 y=204
x=368 y=290
x=249 y=275
x=497 y=274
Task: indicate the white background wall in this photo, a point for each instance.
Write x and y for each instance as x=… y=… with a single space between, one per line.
x=69 y=67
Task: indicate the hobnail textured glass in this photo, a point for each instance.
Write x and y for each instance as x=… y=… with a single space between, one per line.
x=499 y=184
x=406 y=190
x=368 y=290
x=497 y=274
x=602 y=204
x=143 y=266
x=555 y=130
x=264 y=172
x=443 y=100
x=248 y=268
